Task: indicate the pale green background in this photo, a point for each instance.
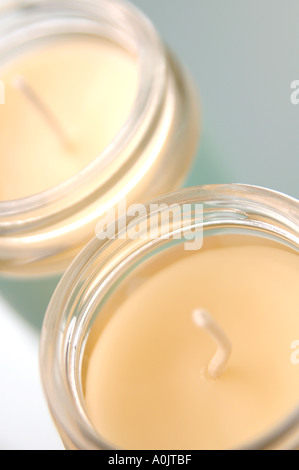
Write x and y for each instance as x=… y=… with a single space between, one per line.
x=243 y=56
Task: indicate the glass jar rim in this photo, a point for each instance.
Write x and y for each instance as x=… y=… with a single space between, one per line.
x=234 y=205
x=149 y=50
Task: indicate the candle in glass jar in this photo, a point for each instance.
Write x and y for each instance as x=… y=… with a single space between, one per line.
x=64 y=103
x=147 y=377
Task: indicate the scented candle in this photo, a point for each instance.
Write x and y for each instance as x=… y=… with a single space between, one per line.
x=148 y=344
x=148 y=381
x=97 y=110
x=64 y=104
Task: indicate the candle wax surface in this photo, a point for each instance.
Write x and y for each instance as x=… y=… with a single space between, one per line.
x=144 y=374
x=88 y=85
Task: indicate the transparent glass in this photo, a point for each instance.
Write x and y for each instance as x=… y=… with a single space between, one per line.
x=97 y=271
x=150 y=155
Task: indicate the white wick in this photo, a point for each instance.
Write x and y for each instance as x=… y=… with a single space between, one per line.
x=21 y=84
x=219 y=361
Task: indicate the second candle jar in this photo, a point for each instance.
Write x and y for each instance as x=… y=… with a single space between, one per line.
x=132 y=331
x=152 y=138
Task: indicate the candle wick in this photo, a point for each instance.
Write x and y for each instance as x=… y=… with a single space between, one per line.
x=219 y=361
x=21 y=84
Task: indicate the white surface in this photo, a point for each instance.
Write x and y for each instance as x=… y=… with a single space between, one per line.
x=25 y=423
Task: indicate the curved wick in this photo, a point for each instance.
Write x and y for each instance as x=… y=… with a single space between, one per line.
x=219 y=361
x=21 y=84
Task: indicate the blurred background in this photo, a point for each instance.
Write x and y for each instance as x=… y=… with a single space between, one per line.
x=243 y=55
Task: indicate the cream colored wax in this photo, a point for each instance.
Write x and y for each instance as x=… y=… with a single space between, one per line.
x=87 y=86
x=146 y=384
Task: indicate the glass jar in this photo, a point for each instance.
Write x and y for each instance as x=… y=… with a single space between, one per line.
x=101 y=268
x=150 y=155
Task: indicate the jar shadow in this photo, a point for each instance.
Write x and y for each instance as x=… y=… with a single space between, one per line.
x=29 y=297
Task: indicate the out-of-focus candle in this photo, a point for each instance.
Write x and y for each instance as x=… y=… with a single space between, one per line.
x=97 y=111
x=147 y=384
x=87 y=86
